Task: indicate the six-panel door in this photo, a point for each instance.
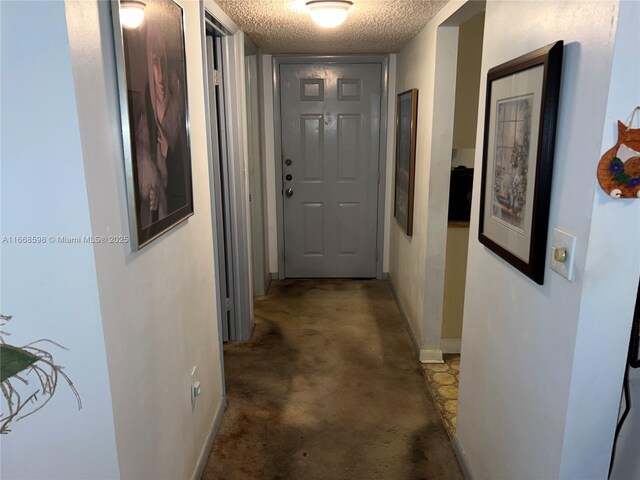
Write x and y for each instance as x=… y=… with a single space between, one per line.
x=330 y=144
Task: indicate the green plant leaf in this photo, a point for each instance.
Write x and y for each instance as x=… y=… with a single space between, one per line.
x=13 y=360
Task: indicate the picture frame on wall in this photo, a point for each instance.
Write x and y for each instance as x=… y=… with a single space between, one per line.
x=519 y=141
x=152 y=82
x=406 y=125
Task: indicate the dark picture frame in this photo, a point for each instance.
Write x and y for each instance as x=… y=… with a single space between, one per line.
x=406 y=131
x=517 y=163
x=152 y=82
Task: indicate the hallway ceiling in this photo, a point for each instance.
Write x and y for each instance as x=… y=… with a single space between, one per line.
x=373 y=26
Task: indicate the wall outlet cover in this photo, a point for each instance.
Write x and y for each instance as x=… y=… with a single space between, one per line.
x=193 y=382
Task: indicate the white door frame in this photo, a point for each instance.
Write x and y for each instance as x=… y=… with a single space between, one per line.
x=383 y=61
x=234 y=121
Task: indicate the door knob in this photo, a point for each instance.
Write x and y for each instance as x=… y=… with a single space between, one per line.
x=289 y=192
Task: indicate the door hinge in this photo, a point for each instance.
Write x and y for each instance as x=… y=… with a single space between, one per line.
x=227 y=304
x=217 y=77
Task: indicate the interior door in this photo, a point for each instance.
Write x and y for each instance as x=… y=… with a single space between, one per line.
x=330 y=117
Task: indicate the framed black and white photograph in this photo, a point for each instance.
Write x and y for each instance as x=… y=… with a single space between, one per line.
x=519 y=139
x=152 y=79
x=406 y=124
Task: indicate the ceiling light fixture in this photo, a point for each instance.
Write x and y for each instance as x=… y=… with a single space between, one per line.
x=131 y=13
x=329 y=14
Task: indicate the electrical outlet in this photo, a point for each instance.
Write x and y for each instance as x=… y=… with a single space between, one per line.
x=194 y=385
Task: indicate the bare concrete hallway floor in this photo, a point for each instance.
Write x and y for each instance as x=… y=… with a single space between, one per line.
x=328 y=388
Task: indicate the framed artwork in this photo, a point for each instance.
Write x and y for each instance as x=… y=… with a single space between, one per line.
x=519 y=139
x=406 y=120
x=152 y=80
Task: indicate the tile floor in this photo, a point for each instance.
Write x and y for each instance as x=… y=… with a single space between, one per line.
x=442 y=379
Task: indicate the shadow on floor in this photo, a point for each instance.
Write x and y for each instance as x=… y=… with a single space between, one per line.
x=328 y=388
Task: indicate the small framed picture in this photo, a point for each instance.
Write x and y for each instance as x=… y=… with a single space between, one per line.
x=152 y=79
x=519 y=140
x=406 y=120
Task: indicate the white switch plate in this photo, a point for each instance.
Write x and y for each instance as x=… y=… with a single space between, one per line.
x=567 y=241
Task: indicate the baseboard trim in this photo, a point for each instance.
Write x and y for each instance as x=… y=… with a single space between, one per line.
x=213 y=431
x=385 y=275
x=431 y=356
x=407 y=323
x=267 y=285
x=274 y=275
x=462 y=459
x=451 y=345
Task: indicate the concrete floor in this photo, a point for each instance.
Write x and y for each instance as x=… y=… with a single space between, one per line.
x=328 y=388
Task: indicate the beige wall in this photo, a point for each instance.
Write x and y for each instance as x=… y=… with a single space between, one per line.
x=468 y=82
x=454 y=281
x=464 y=139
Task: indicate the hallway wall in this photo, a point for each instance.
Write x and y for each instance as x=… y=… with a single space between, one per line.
x=158 y=305
x=542 y=365
x=419 y=291
x=50 y=288
x=609 y=294
x=533 y=368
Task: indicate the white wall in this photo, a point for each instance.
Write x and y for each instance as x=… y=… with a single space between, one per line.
x=609 y=293
x=417 y=272
x=158 y=305
x=542 y=365
x=50 y=288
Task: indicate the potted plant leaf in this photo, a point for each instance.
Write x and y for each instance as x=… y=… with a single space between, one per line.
x=28 y=378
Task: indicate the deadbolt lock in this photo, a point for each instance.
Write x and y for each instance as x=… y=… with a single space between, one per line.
x=288 y=162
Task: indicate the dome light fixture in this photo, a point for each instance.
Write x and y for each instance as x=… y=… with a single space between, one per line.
x=329 y=14
x=131 y=13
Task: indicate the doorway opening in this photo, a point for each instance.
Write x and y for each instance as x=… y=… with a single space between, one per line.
x=465 y=121
x=458 y=62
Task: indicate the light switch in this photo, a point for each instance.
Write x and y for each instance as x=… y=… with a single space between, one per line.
x=563 y=249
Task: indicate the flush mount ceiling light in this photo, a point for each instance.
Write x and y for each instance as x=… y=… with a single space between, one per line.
x=131 y=13
x=329 y=14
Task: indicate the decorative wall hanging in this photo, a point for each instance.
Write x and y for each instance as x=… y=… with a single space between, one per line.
x=152 y=80
x=619 y=168
x=406 y=122
x=519 y=139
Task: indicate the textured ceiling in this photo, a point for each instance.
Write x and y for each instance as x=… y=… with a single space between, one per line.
x=373 y=26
